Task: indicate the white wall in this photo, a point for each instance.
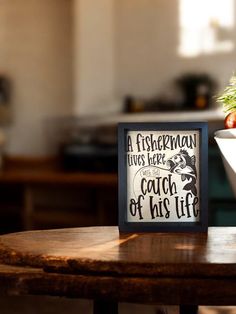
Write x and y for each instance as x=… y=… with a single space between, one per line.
x=94 y=55
x=144 y=32
x=79 y=56
x=147 y=38
x=36 y=55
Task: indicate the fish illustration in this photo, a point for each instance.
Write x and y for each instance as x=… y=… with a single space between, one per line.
x=184 y=165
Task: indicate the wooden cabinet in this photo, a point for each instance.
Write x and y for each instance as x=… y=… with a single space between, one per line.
x=37 y=194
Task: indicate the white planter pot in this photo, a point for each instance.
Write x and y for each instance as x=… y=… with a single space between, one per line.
x=226 y=140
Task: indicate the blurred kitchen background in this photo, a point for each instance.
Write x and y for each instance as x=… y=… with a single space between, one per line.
x=71 y=69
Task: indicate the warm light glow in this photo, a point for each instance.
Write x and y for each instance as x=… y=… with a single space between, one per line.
x=205 y=26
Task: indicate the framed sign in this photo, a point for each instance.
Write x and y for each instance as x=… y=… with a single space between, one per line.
x=163 y=180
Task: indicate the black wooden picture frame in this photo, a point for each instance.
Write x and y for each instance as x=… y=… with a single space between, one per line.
x=163 y=177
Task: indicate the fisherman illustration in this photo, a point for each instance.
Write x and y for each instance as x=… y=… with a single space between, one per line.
x=184 y=165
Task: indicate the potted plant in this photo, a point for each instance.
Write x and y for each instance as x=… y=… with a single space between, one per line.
x=228 y=99
x=226 y=138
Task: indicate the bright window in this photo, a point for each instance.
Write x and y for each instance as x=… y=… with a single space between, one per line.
x=206 y=27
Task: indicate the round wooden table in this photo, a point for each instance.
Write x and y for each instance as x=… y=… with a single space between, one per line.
x=100 y=264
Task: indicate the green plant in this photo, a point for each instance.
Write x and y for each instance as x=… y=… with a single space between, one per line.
x=228 y=97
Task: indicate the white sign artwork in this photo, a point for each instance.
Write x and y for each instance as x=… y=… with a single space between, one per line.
x=163 y=176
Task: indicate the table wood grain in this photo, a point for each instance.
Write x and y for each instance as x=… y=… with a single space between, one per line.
x=108 y=267
x=102 y=250
x=17 y=280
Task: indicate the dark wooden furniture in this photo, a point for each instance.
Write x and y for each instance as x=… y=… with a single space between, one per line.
x=47 y=196
x=101 y=264
x=36 y=193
